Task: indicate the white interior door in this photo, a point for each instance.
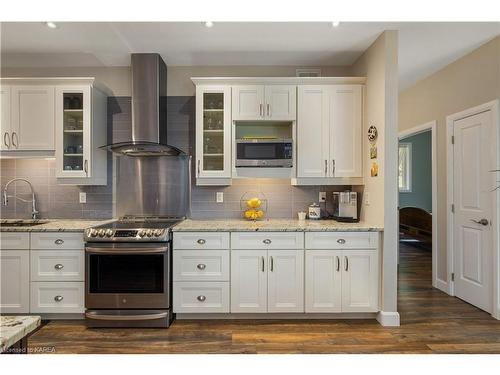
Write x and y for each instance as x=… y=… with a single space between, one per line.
x=285 y=281
x=249 y=281
x=472 y=195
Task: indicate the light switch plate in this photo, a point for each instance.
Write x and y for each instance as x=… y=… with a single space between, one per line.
x=219 y=197
x=83 y=197
x=367 y=198
x=322 y=196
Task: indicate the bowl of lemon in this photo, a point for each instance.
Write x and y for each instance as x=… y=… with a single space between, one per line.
x=253 y=205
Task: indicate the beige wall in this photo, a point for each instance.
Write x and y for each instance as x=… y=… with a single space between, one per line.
x=472 y=80
x=117 y=79
x=380 y=66
x=179 y=77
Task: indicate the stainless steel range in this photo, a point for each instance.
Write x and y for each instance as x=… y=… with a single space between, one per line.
x=128 y=273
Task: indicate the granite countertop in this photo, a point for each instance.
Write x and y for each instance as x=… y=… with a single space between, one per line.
x=14 y=328
x=273 y=225
x=54 y=225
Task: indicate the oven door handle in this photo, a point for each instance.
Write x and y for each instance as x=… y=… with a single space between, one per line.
x=126 y=317
x=136 y=250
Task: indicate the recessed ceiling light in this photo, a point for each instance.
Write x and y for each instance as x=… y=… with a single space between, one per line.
x=209 y=24
x=51 y=25
x=335 y=23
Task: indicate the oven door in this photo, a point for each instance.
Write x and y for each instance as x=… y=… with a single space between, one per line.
x=127 y=276
x=263 y=154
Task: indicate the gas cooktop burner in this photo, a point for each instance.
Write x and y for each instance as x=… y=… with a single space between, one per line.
x=133 y=229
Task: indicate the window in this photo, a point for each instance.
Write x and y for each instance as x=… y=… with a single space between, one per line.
x=404 y=169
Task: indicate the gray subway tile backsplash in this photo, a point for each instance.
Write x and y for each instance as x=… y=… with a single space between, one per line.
x=62 y=201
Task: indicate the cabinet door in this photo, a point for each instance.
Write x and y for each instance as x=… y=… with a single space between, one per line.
x=213 y=131
x=360 y=281
x=280 y=102
x=345 y=131
x=14 y=281
x=5 y=141
x=312 y=131
x=32 y=118
x=248 y=102
x=285 y=281
x=323 y=281
x=249 y=281
x=73 y=132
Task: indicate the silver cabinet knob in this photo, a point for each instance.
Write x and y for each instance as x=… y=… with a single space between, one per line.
x=58 y=298
x=267 y=241
x=341 y=241
x=201 y=298
x=59 y=266
x=201 y=266
x=201 y=241
x=59 y=241
x=482 y=221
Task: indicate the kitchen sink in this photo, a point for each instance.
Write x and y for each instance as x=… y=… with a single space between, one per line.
x=21 y=223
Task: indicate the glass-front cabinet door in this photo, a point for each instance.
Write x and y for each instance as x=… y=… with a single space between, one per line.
x=213 y=133
x=73 y=132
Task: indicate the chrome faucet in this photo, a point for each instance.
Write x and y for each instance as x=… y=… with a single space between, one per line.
x=6 y=197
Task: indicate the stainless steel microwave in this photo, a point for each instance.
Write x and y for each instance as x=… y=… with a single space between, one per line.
x=264 y=153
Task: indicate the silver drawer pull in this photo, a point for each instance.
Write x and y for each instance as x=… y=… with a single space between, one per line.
x=58 y=241
x=201 y=298
x=59 y=266
x=201 y=266
x=341 y=241
x=201 y=241
x=58 y=298
x=267 y=241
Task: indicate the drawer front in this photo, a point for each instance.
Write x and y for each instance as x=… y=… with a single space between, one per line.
x=57 y=297
x=201 y=265
x=201 y=297
x=201 y=240
x=15 y=240
x=267 y=240
x=341 y=240
x=57 y=265
x=57 y=240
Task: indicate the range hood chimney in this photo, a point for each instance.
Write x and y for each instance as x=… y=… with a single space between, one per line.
x=149 y=109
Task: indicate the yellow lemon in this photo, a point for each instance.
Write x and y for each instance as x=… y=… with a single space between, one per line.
x=260 y=213
x=254 y=203
x=249 y=214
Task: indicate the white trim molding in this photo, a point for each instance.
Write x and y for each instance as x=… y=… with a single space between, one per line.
x=432 y=126
x=492 y=106
x=278 y=80
x=388 y=318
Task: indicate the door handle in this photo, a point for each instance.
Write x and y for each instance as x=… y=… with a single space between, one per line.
x=338 y=263
x=346 y=263
x=326 y=167
x=482 y=221
x=6 y=138
x=262 y=258
x=333 y=167
x=272 y=264
x=198 y=167
x=260 y=110
x=15 y=144
x=268 y=110
x=86 y=167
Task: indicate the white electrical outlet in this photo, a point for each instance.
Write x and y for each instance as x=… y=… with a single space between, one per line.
x=219 y=197
x=83 y=197
x=322 y=196
x=367 y=198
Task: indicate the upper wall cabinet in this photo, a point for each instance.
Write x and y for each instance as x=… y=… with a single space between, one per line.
x=264 y=102
x=27 y=118
x=213 y=135
x=329 y=124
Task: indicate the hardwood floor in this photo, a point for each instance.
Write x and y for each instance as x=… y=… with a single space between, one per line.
x=431 y=322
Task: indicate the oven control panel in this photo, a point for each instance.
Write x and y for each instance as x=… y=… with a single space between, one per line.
x=125 y=235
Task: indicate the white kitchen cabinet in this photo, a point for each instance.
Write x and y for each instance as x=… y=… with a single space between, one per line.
x=323 y=279
x=5 y=123
x=213 y=135
x=329 y=126
x=285 y=281
x=360 y=280
x=249 y=281
x=264 y=102
x=80 y=118
x=15 y=281
x=313 y=131
x=57 y=297
x=57 y=265
x=32 y=118
x=201 y=297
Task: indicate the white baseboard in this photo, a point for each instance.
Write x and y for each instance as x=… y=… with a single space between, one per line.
x=388 y=318
x=294 y=316
x=442 y=285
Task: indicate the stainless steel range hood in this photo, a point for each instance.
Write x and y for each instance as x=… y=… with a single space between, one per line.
x=149 y=109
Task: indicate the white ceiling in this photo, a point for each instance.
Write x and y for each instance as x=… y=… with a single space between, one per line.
x=424 y=47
